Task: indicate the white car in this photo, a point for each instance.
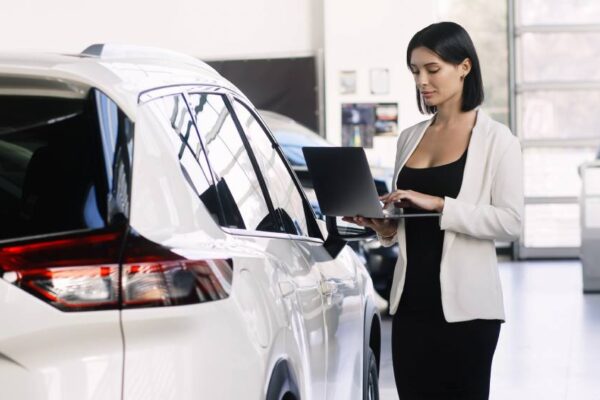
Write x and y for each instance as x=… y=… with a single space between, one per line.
x=155 y=244
x=379 y=260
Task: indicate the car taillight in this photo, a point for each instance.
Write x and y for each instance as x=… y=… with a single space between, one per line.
x=81 y=272
x=154 y=276
x=73 y=288
x=171 y=283
x=73 y=272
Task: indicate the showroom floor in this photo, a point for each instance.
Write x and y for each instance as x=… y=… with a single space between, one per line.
x=549 y=347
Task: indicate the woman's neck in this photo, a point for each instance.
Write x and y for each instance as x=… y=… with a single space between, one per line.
x=451 y=115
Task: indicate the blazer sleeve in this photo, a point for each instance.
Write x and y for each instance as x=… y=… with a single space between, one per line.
x=500 y=220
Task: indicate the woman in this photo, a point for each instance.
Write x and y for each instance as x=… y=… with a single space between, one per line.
x=446 y=298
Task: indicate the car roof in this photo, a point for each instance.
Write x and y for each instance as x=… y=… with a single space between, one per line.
x=122 y=72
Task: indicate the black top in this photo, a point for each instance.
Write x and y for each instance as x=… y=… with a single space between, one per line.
x=424 y=238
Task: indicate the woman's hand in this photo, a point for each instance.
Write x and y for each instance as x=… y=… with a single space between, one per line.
x=410 y=198
x=383 y=226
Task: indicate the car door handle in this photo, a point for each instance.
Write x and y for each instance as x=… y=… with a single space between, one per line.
x=328 y=288
x=286 y=288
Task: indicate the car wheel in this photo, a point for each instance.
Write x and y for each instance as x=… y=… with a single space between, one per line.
x=373 y=377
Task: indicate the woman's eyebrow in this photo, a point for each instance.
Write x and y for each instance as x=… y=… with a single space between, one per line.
x=426 y=65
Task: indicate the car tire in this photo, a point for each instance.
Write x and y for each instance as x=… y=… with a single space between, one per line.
x=372 y=392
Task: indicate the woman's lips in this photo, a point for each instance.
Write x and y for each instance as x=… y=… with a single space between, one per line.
x=426 y=94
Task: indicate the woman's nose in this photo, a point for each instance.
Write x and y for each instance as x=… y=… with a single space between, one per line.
x=421 y=80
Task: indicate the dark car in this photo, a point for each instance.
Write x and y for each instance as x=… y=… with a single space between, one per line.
x=292 y=136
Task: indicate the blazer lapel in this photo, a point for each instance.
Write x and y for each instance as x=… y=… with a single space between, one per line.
x=403 y=158
x=410 y=148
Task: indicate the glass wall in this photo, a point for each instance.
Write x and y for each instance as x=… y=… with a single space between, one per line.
x=552 y=51
x=489 y=34
x=557 y=86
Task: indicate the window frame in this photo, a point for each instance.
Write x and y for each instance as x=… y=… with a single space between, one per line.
x=229 y=97
x=313 y=230
x=261 y=181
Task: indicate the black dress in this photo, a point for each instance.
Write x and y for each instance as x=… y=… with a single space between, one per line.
x=434 y=359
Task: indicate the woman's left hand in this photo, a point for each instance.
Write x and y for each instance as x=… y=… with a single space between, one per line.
x=410 y=198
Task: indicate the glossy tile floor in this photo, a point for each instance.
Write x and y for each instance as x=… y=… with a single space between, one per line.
x=549 y=348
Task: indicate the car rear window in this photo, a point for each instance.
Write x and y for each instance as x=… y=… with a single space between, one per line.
x=51 y=178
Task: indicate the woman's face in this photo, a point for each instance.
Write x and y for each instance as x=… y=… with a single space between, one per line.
x=437 y=80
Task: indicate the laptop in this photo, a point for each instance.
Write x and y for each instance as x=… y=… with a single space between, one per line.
x=344 y=185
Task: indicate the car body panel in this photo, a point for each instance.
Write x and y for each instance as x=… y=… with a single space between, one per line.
x=46 y=354
x=343 y=300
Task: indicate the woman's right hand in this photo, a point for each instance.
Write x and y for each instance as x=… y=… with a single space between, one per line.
x=383 y=226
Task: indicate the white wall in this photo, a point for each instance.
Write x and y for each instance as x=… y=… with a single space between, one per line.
x=208 y=29
x=361 y=35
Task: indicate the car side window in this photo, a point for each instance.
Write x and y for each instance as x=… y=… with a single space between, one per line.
x=174 y=116
x=238 y=186
x=287 y=199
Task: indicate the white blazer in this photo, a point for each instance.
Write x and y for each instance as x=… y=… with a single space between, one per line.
x=489 y=206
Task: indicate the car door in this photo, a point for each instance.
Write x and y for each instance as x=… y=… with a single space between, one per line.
x=246 y=202
x=216 y=214
x=344 y=318
x=339 y=282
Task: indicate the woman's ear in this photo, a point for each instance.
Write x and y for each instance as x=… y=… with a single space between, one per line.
x=465 y=67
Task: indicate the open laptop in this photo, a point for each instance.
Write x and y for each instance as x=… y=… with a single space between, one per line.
x=344 y=186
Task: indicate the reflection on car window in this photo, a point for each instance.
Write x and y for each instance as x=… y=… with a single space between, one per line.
x=186 y=146
x=117 y=146
x=238 y=186
x=286 y=197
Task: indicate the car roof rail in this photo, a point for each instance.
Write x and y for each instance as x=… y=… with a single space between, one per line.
x=108 y=51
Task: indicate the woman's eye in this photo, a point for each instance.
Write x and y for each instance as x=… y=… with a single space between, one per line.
x=433 y=71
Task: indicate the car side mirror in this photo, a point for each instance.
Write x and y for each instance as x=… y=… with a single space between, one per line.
x=340 y=232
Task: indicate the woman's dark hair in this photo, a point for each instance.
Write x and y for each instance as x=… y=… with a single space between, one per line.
x=451 y=43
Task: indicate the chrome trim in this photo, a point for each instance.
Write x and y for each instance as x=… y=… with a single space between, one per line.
x=261 y=234
x=270 y=235
x=213 y=89
x=306 y=239
x=169 y=90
